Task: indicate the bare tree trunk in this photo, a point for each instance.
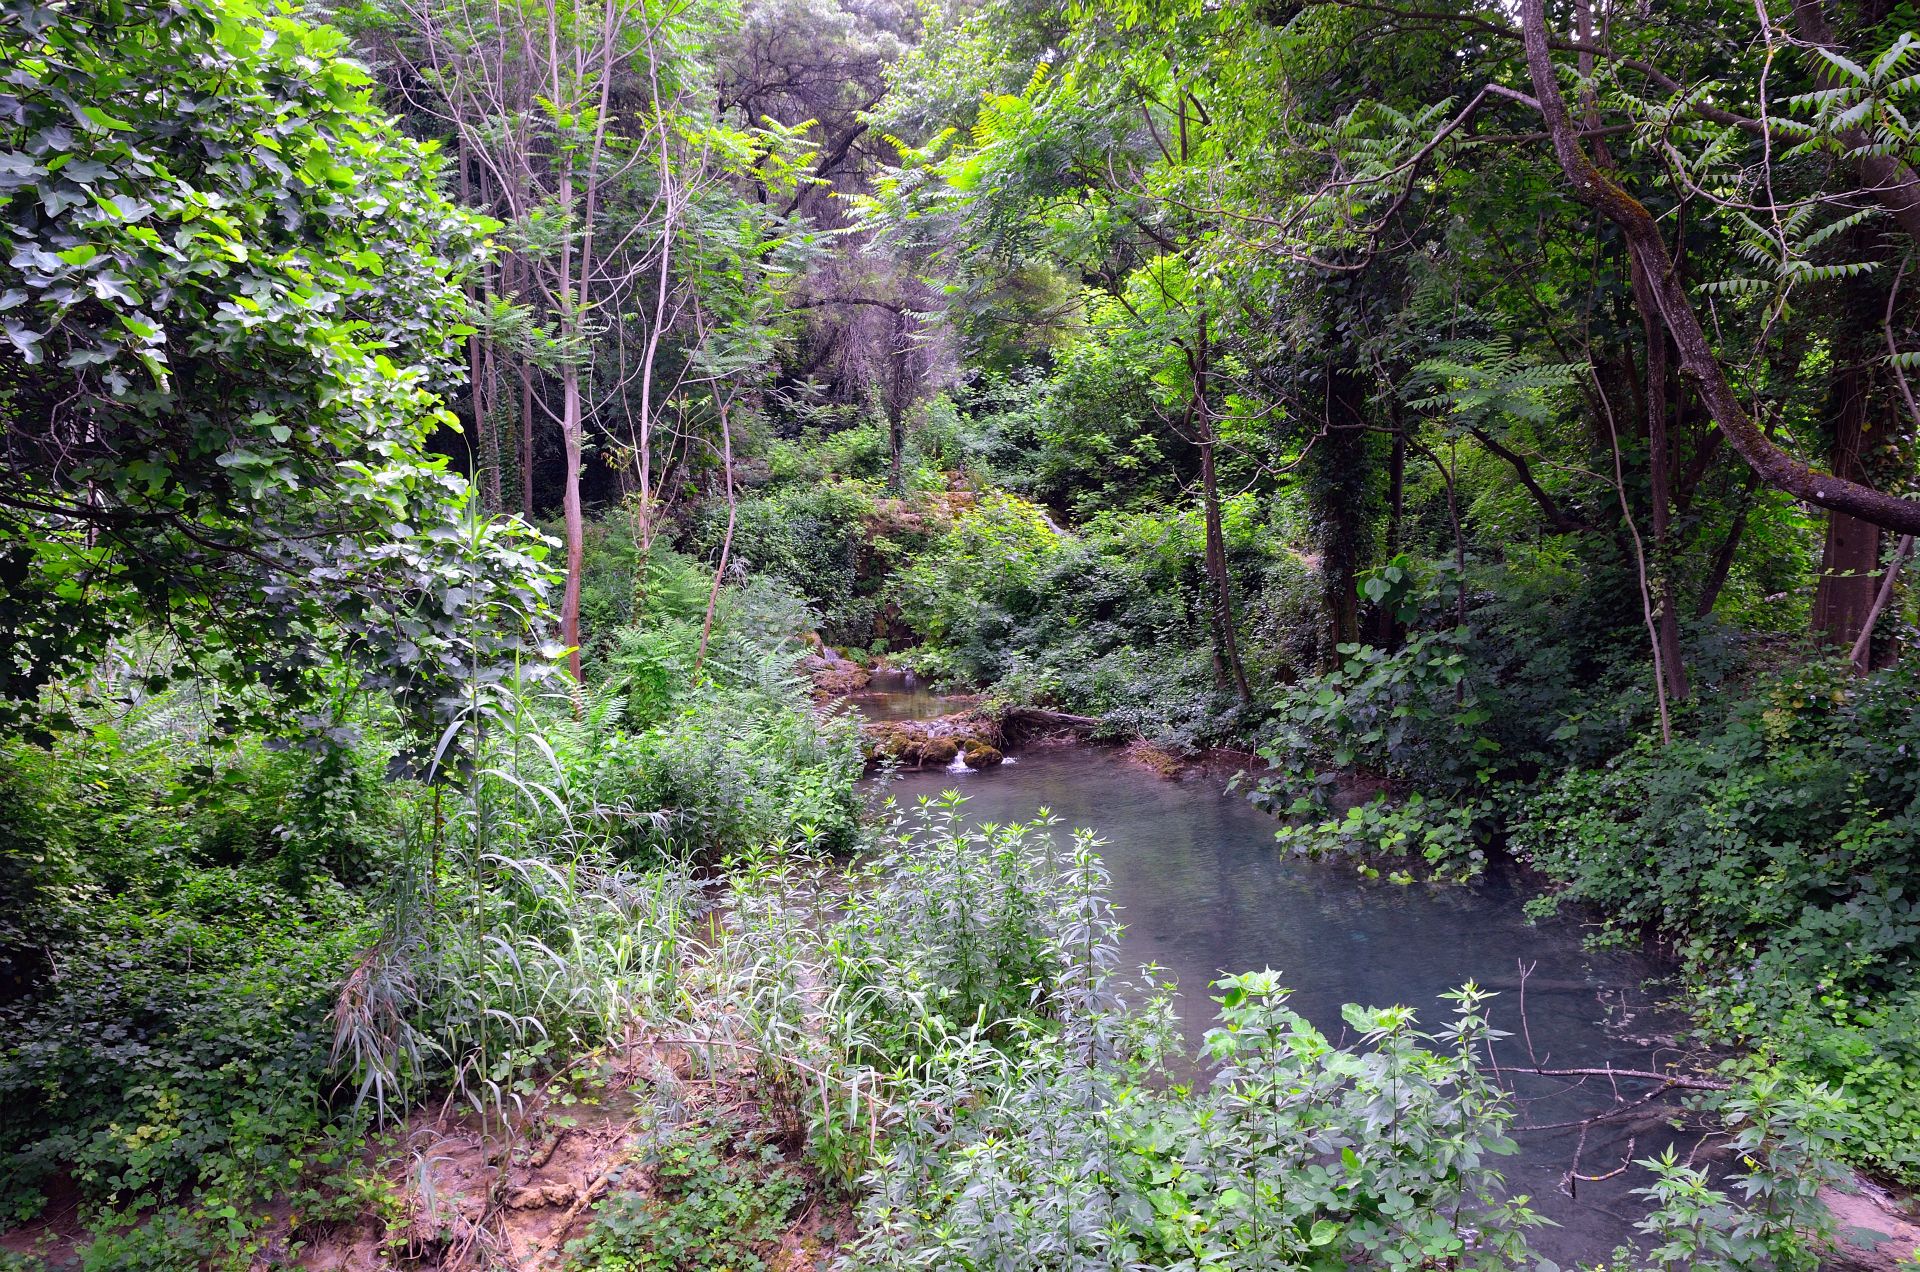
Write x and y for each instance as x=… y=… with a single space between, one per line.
x=1728 y=550
x=486 y=477
x=1660 y=484
x=1698 y=361
x=1340 y=458
x=1851 y=552
x=1226 y=644
x=1640 y=567
x=1863 y=646
x=572 y=427
x=1387 y=624
x=895 y=403
x=493 y=445
x=726 y=540
x=526 y=438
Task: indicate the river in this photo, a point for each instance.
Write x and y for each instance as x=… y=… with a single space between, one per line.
x=1202 y=889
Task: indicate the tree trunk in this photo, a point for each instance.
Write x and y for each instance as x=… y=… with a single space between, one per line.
x=1226 y=644
x=1729 y=548
x=1851 y=554
x=486 y=478
x=896 y=404
x=1698 y=362
x=1660 y=483
x=1340 y=468
x=1387 y=626
x=571 y=427
x=526 y=439
x=1862 y=655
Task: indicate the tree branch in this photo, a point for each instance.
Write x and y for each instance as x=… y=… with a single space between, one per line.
x=1697 y=360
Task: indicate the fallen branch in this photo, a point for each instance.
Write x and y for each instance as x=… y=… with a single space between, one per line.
x=588 y=1196
x=1685 y=1082
x=1058 y=719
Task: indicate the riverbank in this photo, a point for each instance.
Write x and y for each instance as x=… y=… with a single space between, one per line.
x=1630 y=1122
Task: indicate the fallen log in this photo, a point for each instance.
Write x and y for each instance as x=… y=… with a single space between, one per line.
x=1043 y=718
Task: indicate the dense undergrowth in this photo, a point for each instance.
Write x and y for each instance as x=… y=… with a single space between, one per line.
x=289 y=947
x=1165 y=367
x=231 y=959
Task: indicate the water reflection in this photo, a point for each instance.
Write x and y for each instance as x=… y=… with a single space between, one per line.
x=900 y=695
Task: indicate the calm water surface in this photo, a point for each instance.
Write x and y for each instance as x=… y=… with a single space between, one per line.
x=900 y=695
x=1202 y=889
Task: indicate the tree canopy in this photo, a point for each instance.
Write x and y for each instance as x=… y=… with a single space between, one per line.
x=231 y=296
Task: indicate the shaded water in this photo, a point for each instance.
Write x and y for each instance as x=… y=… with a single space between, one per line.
x=1202 y=889
x=900 y=695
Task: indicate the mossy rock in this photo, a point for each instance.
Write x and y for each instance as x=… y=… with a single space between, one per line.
x=890 y=742
x=939 y=751
x=981 y=756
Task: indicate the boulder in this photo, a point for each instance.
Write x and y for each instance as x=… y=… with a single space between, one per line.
x=979 y=755
x=889 y=742
x=938 y=751
x=1873 y=1235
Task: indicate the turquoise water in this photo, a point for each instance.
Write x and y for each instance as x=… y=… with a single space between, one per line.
x=1202 y=889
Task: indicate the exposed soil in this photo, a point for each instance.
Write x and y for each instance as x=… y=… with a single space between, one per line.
x=510 y=1196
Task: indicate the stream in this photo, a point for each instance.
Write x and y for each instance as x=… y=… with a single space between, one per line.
x=1202 y=889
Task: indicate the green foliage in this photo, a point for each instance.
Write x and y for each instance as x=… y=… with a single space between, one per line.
x=738 y=765
x=1027 y=1117
x=1411 y=721
x=715 y=1202
x=183 y=1047
x=972 y=917
x=274 y=945
x=1108 y=621
x=247 y=331
x=1778 y=846
x=811 y=536
x=1788 y=1139
x=984 y=574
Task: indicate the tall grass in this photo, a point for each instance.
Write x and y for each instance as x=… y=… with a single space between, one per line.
x=515 y=935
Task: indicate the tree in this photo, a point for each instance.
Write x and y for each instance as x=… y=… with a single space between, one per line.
x=230 y=289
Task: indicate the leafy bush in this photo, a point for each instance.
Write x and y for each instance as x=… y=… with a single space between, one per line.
x=1778 y=846
x=1036 y=1127
x=182 y=1046
x=976 y=919
x=1411 y=720
x=737 y=765
x=1110 y=621
x=812 y=536
x=1789 y=1140
x=715 y=1201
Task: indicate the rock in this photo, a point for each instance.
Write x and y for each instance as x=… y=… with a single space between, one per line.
x=1873 y=1236
x=539 y=1196
x=889 y=741
x=832 y=675
x=939 y=751
x=981 y=756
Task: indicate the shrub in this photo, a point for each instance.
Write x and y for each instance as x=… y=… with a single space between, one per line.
x=181 y=1046
x=1778 y=847
x=717 y=1200
x=1032 y=1123
x=810 y=535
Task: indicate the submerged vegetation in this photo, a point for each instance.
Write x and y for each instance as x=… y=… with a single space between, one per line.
x=451 y=455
